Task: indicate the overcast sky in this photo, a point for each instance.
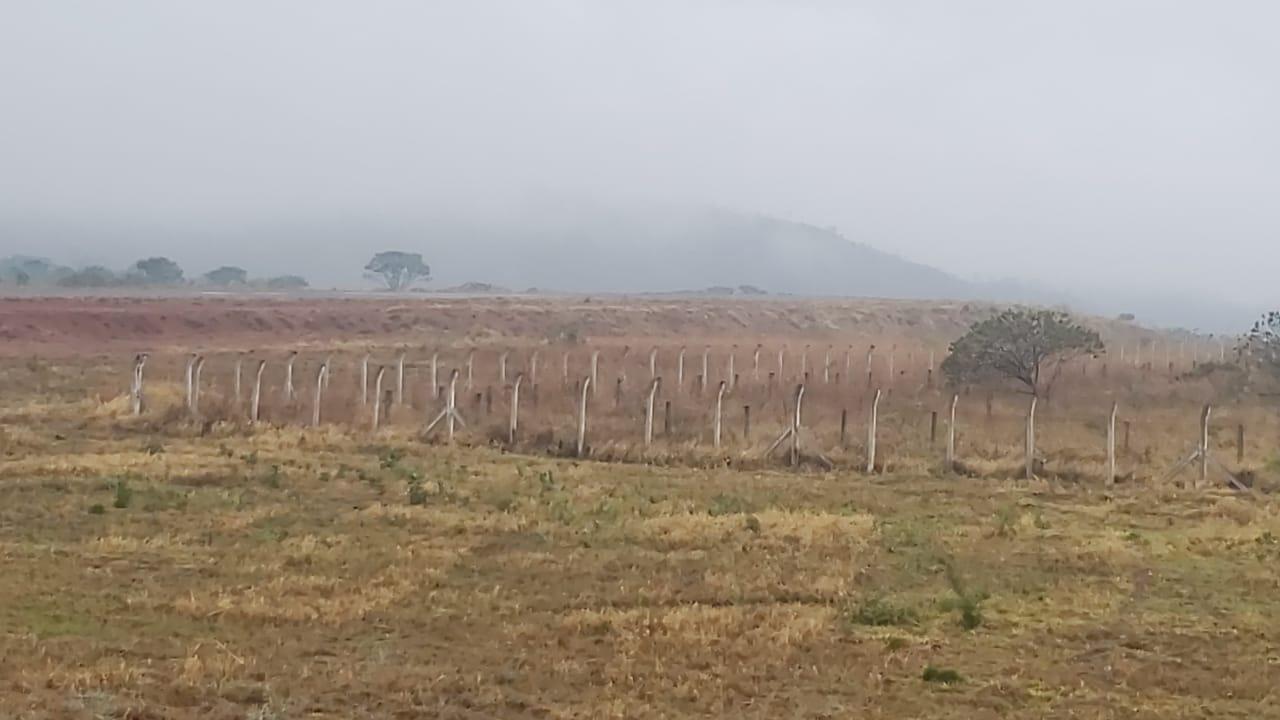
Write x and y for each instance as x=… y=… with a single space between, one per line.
x=1078 y=143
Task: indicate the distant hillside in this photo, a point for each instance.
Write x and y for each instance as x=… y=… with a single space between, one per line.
x=675 y=251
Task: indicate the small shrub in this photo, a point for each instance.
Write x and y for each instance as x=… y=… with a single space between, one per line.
x=417 y=492
x=1007 y=520
x=97 y=509
x=153 y=447
x=123 y=494
x=877 y=611
x=966 y=601
x=944 y=676
x=728 y=505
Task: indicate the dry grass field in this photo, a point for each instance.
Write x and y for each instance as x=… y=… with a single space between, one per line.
x=169 y=567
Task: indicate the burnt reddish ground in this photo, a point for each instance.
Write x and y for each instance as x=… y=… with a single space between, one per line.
x=71 y=325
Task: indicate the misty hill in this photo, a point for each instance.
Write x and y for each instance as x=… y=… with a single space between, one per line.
x=674 y=251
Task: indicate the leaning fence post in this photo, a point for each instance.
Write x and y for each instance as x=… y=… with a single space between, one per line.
x=452 y=403
x=582 y=416
x=648 y=410
x=515 y=409
x=435 y=375
x=951 y=435
x=377 y=396
x=871 y=432
x=255 y=403
x=1031 y=439
x=595 y=368
x=321 y=375
x=755 y=364
x=1111 y=444
x=715 y=431
x=680 y=370
x=400 y=379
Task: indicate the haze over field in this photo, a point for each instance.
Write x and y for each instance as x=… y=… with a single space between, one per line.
x=1115 y=156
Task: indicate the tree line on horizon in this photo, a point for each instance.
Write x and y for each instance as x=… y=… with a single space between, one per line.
x=156 y=271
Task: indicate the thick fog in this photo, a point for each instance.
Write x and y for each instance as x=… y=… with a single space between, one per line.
x=1116 y=152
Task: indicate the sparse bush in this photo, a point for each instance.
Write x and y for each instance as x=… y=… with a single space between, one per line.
x=416 y=491
x=968 y=602
x=1007 y=517
x=97 y=509
x=729 y=505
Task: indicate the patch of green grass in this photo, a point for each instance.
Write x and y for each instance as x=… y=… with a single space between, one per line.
x=729 y=505
x=943 y=676
x=97 y=509
x=123 y=494
x=965 y=600
x=878 y=611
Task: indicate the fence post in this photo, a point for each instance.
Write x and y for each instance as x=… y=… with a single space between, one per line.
x=870 y=374
x=1204 y=443
x=236 y=381
x=502 y=367
x=704 y=377
x=680 y=371
x=617 y=393
x=190 y=382
x=1126 y=437
x=377 y=396
x=755 y=364
x=400 y=378
x=364 y=380
x=732 y=376
x=435 y=375
x=1031 y=439
x=1240 y=444
x=804 y=361
x=795 y=427
x=321 y=374
x=826 y=367
x=782 y=356
x=515 y=409
x=582 y=414
x=135 y=390
x=653 y=362
x=933 y=428
x=746 y=423
x=951 y=435
x=1111 y=444
x=533 y=372
x=288 y=377
x=871 y=432
x=715 y=429
x=666 y=419
x=648 y=410
x=595 y=370
x=255 y=402
x=195 y=387
x=452 y=402
x=844 y=427
x=471 y=361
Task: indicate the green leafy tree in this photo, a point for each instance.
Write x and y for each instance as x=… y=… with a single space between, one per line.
x=226 y=276
x=398 y=270
x=159 y=271
x=1026 y=347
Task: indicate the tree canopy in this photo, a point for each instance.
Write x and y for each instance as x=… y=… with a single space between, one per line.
x=1027 y=347
x=226 y=276
x=398 y=270
x=159 y=271
x=1261 y=349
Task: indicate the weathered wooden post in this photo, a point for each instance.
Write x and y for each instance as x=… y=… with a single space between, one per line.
x=1031 y=439
x=617 y=393
x=435 y=375
x=582 y=417
x=471 y=361
x=933 y=428
x=595 y=369
x=680 y=370
x=951 y=435
x=364 y=380
x=451 y=405
x=288 y=377
x=1240 y=444
x=195 y=387
x=648 y=410
x=715 y=429
x=795 y=426
x=844 y=427
x=400 y=378
x=871 y=432
x=377 y=396
x=666 y=419
x=1111 y=444
x=190 y=382
x=255 y=401
x=746 y=423
x=1204 y=443
x=515 y=409
x=321 y=376
x=236 y=380
x=502 y=367
x=135 y=389
x=702 y=380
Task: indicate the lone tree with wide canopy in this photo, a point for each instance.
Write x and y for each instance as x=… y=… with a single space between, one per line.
x=1027 y=347
x=398 y=270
